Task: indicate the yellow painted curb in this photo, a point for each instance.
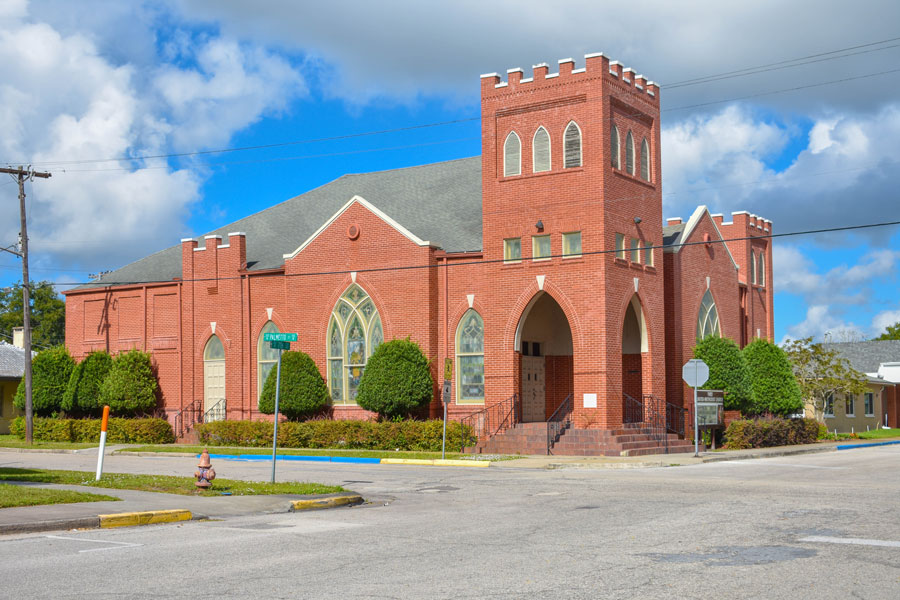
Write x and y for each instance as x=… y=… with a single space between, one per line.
x=437 y=462
x=330 y=502
x=144 y=518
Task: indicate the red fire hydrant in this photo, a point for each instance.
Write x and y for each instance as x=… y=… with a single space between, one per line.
x=205 y=474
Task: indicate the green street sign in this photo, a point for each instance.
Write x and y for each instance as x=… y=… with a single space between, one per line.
x=279 y=337
x=276 y=345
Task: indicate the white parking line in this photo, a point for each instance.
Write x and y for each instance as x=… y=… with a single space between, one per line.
x=115 y=545
x=855 y=541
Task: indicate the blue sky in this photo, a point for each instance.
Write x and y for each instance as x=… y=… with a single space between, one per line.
x=101 y=80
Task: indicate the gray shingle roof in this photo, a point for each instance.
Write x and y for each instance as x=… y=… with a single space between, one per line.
x=671 y=233
x=866 y=357
x=439 y=203
x=12 y=361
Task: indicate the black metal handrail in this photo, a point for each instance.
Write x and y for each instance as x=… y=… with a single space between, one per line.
x=675 y=418
x=491 y=420
x=633 y=410
x=187 y=417
x=216 y=412
x=655 y=419
x=558 y=422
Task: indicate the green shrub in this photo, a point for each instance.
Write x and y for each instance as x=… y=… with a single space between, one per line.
x=83 y=391
x=130 y=387
x=325 y=433
x=397 y=380
x=768 y=432
x=50 y=373
x=303 y=392
x=119 y=431
x=727 y=370
x=774 y=389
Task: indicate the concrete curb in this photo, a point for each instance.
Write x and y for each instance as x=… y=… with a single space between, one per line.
x=436 y=462
x=770 y=454
x=149 y=517
x=57 y=525
x=328 y=502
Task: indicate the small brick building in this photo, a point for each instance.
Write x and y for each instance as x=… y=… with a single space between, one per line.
x=542 y=268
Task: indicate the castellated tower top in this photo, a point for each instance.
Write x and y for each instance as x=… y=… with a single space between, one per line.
x=596 y=64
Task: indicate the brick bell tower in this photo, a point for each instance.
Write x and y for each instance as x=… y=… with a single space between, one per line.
x=577 y=151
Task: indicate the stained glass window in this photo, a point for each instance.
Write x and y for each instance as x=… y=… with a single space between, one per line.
x=470 y=359
x=512 y=155
x=645 y=160
x=572 y=143
x=708 y=319
x=540 y=146
x=629 y=153
x=354 y=332
x=614 y=147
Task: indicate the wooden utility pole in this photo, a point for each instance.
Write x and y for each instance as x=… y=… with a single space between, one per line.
x=21 y=174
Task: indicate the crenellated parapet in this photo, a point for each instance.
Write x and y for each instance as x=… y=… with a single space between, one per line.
x=595 y=65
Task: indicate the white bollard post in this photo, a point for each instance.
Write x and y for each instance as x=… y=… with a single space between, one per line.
x=102 y=450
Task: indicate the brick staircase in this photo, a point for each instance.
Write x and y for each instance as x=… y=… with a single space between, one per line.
x=633 y=439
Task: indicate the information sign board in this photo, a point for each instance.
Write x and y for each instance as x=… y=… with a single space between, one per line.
x=279 y=337
x=710 y=408
x=445 y=392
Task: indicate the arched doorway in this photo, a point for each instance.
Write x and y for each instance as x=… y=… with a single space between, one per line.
x=634 y=343
x=214 y=380
x=546 y=367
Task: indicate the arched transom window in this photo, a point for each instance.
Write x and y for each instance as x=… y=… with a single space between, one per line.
x=354 y=332
x=512 y=155
x=266 y=358
x=470 y=359
x=708 y=319
x=214 y=380
x=541 y=151
x=572 y=143
x=761 y=269
x=645 y=160
x=752 y=267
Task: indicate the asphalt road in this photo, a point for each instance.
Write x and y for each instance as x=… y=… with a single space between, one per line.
x=813 y=526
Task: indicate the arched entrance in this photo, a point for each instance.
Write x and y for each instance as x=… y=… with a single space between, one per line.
x=214 y=380
x=634 y=343
x=546 y=367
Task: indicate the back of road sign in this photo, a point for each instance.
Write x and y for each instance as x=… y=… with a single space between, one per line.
x=695 y=372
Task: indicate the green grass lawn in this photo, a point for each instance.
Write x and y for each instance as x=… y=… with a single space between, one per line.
x=18 y=495
x=12 y=441
x=878 y=434
x=165 y=483
x=296 y=451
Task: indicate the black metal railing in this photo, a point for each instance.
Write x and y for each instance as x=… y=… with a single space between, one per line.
x=675 y=418
x=655 y=420
x=216 y=412
x=491 y=420
x=558 y=422
x=187 y=417
x=633 y=410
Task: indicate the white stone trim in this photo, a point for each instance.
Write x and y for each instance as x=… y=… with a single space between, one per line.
x=269 y=312
x=471 y=299
x=565 y=60
x=593 y=55
x=183 y=240
x=501 y=84
x=212 y=326
x=237 y=233
x=692 y=224
x=551 y=75
x=540 y=281
x=486 y=75
x=516 y=70
x=211 y=237
x=581 y=70
x=526 y=80
x=373 y=209
x=539 y=65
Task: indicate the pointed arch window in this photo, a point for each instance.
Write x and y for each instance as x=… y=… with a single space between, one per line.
x=752 y=267
x=761 y=269
x=645 y=160
x=540 y=148
x=614 y=150
x=354 y=332
x=572 y=146
x=629 y=153
x=708 y=319
x=512 y=155
x=470 y=359
x=266 y=357
x=214 y=379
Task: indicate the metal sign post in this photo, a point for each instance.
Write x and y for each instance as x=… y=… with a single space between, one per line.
x=445 y=396
x=280 y=342
x=695 y=372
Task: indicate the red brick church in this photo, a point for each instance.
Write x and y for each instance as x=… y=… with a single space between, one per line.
x=542 y=268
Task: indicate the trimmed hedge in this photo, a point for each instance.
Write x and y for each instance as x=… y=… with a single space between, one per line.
x=130 y=387
x=50 y=373
x=351 y=435
x=303 y=392
x=397 y=380
x=774 y=389
x=765 y=433
x=120 y=431
x=727 y=370
x=82 y=395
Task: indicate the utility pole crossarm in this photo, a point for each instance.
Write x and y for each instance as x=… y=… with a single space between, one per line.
x=21 y=174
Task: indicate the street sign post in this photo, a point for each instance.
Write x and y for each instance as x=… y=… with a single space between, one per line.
x=280 y=342
x=695 y=372
x=445 y=396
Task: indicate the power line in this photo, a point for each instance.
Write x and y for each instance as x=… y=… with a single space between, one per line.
x=100 y=284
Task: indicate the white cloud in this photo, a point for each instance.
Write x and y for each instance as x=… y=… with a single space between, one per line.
x=883 y=319
x=819 y=322
x=63 y=98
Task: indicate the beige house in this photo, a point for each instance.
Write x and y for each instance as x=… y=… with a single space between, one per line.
x=847 y=413
x=12 y=367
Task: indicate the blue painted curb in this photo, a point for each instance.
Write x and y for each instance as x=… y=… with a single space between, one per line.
x=850 y=446
x=291 y=457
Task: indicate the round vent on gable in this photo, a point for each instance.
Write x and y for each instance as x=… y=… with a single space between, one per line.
x=353 y=231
